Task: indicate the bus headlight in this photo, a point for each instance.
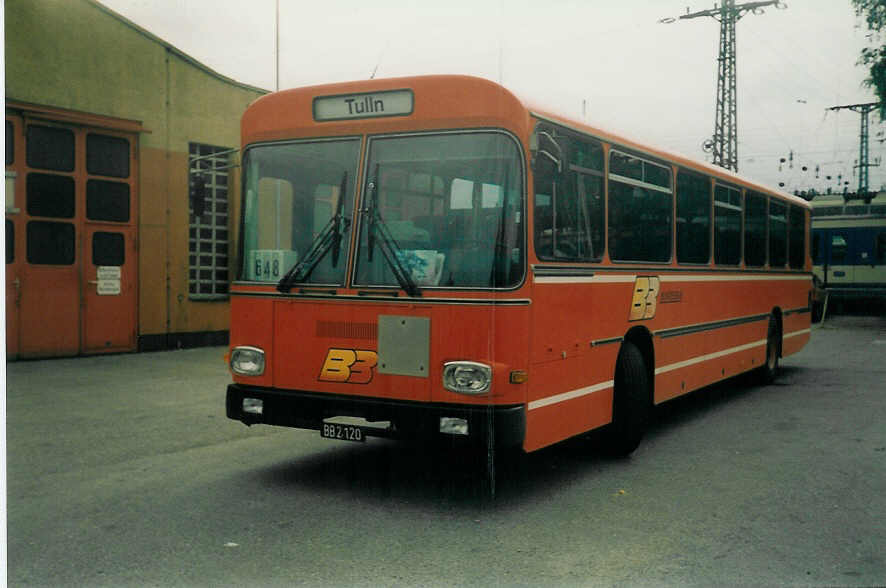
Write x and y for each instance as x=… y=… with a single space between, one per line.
x=467 y=377
x=248 y=361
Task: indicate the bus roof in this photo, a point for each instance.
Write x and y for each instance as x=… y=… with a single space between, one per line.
x=440 y=102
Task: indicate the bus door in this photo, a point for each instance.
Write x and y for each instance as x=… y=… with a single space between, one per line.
x=839 y=269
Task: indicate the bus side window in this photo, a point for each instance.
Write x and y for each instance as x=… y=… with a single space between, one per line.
x=881 y=248
x=727 y=226
x=569 y=201
x=755 y=229
x=796 y=237
x=641 y=203
x=778 y=234
x=816 y=248
x=693 y=218
x=545 y=185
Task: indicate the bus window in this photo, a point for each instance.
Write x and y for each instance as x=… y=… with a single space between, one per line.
x=727 y=226
x=640 y=205
x=274 y=213
x=462 y=195
x=693 y=218
x=569 y=205
x=292 y=191
x=471 y=237
x=754 y=230
x=778 y=234
x=816 y=248
x=881 y=248
x=797 y=237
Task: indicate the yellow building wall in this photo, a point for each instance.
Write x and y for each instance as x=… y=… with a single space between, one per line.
x=78 y=55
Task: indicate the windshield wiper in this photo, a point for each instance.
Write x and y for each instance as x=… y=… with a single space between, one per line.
x=376 y=227
x=329 y=239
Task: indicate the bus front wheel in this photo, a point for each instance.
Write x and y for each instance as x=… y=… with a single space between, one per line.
x=631 y=404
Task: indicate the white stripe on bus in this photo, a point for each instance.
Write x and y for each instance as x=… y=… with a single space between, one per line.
x=618 y=279
x=795 y=333
x=665 y=278
x=709 y=356
x=715 y=278
x=573 y=394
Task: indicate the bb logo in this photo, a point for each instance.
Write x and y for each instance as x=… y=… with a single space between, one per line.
x=352 y=366
x=643 y=305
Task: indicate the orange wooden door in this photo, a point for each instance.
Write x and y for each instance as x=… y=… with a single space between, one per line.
x=110 y=261
x=48 y=287
x=13 y=236
x=109 y=290
x=75 y=230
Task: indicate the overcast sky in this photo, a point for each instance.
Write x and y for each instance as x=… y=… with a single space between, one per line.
x=654 y=82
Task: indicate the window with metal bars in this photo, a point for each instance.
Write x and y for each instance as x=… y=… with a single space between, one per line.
x=208 y=229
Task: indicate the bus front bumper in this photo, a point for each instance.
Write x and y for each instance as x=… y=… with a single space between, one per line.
x=504 y=425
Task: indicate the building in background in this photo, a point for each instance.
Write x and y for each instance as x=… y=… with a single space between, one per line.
x=105 y=127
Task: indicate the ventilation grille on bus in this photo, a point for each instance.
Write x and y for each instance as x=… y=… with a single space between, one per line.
x=342 y=330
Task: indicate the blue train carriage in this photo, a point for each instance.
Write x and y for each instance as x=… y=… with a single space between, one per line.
x=849 y=247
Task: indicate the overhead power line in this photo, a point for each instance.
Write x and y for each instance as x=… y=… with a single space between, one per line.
x=724 y=143
x=863 y=141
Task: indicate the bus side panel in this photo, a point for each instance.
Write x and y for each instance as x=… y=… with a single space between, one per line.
x=797 y=317
x=796 y=335
x=673 y=351
x=569 y=317
x=572 y=370
x=571 y=397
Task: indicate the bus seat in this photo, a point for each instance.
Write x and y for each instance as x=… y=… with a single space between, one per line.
x=434 y=225
x=408 y=236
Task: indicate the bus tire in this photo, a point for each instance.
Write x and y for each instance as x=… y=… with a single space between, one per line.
x=631 y=406
x=817 y=312
x=769 y=370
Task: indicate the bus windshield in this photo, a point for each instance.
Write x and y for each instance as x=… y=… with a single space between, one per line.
x=292 y=192
x=446 y=208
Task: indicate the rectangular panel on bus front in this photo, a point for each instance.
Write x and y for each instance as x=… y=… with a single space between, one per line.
x=394 y=351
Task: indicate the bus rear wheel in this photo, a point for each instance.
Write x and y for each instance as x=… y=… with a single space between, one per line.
x=631 y=404
x=769 y=370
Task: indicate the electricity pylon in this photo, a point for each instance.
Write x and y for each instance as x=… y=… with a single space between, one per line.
x=724 y=143
x=863 y=152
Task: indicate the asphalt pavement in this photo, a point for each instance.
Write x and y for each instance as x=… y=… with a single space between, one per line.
x=124 y=471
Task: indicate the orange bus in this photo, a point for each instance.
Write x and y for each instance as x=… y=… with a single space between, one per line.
x=431 y=257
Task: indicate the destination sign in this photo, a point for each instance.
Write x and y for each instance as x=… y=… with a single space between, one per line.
x=368 y=105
